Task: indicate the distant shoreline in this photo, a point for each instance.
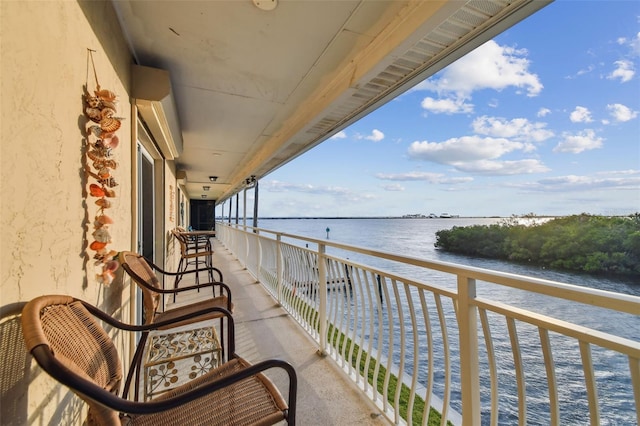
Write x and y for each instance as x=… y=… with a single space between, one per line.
x=226 y=218
x=377 y=217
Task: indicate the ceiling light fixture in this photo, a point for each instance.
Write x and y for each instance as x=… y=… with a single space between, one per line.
x=204 y=195
x=206 y=188
x=266 y=4
x=213 y=178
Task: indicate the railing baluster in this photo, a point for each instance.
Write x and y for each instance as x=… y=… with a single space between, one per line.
x=345 y=326
x=429 y=384
x=634 y=369
x=550 y=368
x=415 y=350
x=590 y=382
x=352 y=310
x=493 y=371
x=334 y=310
x=519 y=372
x=401 y=348
x=380 y=335
x=447 y=361
x=388 y=333
x=361 y=313
x=370 y=312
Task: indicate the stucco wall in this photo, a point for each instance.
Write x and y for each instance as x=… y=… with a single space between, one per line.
x=46 y=221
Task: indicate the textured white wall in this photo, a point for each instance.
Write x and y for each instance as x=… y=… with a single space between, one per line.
x=46 y=221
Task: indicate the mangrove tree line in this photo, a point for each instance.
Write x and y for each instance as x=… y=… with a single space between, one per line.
x=582 y=243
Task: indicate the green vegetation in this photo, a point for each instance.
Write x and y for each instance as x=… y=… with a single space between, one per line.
x=581 y=243
x=343 y=343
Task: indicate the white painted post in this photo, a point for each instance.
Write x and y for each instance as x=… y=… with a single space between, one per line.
x=259 y=265
x=469 y=369
x=279 y=268
x=322 y=283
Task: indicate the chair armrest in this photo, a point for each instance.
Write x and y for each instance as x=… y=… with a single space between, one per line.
x=190 y=271
x=224 y=286
x=48 y=362
x=157 y=325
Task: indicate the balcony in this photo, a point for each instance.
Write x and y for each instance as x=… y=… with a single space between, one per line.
x=264 y=330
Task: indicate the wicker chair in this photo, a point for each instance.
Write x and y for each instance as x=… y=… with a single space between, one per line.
x=234 y=393
x=143 y=272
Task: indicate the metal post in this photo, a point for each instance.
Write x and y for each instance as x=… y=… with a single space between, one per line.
x=237 y=207
x=469 y=370
x=230 y=205
x=244 y=214
x=255 y=206
x=322 y=283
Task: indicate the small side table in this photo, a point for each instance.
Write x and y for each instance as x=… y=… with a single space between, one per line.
x=176 y=357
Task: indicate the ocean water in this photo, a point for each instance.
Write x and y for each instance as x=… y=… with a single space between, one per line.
x=416 y=238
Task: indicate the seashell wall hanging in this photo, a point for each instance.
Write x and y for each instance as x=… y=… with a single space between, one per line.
x=100 y=109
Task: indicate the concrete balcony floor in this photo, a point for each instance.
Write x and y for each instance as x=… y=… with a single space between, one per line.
x=264 y=330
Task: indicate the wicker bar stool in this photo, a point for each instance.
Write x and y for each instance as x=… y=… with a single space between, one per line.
x=196 y=252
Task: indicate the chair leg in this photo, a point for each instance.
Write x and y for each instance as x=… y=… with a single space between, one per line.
x=178 y=278
x=136 y=365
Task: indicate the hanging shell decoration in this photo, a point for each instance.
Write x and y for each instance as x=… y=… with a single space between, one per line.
x=101 y=139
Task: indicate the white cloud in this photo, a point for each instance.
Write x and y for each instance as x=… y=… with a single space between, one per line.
x=633 y=43
x=342 y=193
x=477 y=155
x=393 y=187
x=446 y=106
x=340 y=135
x=580 y=72
x=620 y=172
x=575 y=144
x=490 y=66
x=423 y=176
x=503 y=168
x=517 y=129
x=464 y=149
x=611 y=181
x=376 y=136
x=581 y=115
x=621 y=113
x=624 y=71
x=543 y=112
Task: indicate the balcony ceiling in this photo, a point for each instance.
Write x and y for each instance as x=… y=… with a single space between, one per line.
x=255 y=88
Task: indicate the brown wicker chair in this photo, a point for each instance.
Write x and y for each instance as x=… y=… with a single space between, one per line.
x=234 y=393
x=143 y=272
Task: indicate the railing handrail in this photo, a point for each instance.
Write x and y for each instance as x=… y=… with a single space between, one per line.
x=601 y=298
x=347 y=305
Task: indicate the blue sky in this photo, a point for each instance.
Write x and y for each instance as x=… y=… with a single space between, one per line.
x=547 y=122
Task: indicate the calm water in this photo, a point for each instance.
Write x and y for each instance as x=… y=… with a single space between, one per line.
x=416 y=238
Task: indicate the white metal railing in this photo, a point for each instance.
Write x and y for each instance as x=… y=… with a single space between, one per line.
x=453 y=343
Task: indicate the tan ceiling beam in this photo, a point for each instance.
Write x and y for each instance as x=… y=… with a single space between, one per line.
x=402 y=30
